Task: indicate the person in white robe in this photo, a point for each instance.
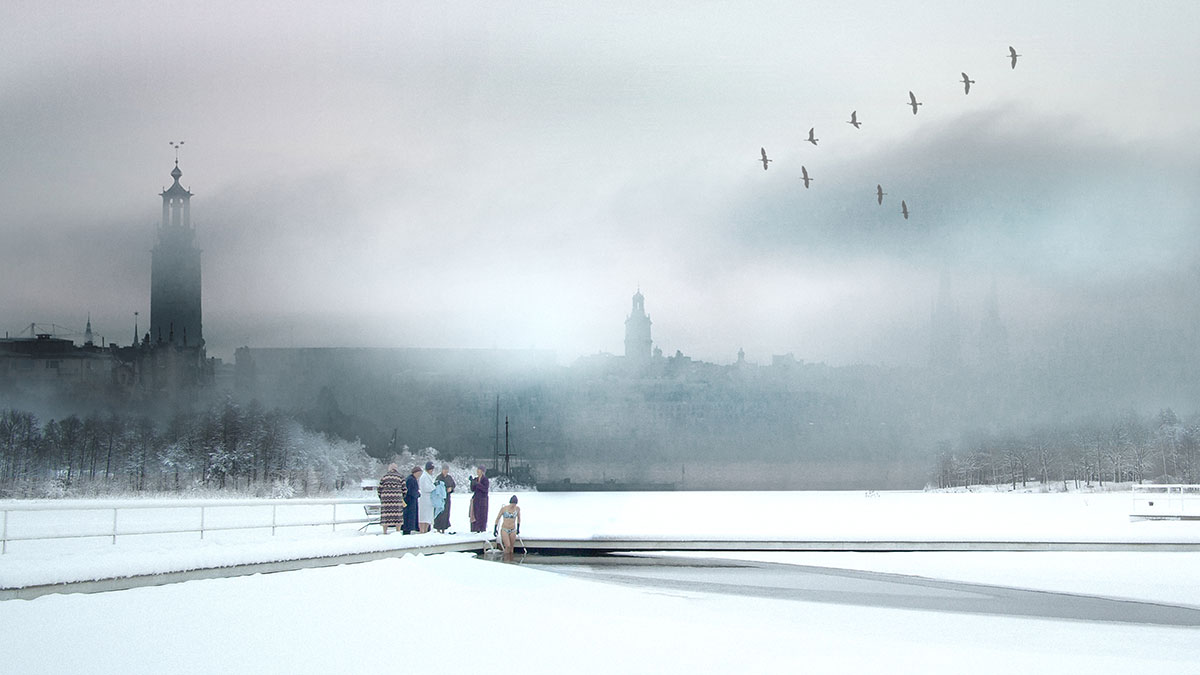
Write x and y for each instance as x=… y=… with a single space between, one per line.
x=425 y=501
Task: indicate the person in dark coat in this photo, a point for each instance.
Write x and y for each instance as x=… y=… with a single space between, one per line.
x=391 y=499
x=479 y=500
x=441 y=522
x=413 y=486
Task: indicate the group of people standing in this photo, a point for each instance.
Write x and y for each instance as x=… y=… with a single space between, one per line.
x=421 y=502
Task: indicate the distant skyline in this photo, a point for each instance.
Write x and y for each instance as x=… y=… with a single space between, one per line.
x=457 y=175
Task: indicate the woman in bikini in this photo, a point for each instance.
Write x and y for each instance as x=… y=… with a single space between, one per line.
x=508 y=522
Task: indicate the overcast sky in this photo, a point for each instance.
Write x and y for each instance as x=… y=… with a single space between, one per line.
x=508 y=174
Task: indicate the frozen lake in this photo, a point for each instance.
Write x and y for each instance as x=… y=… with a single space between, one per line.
x=736 y=576
x=331 y=619
x=1092 y=612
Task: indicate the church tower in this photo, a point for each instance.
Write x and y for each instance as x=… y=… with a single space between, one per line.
x=993 y=337
x=175 y=272
x=637 y=331
x=945 y=346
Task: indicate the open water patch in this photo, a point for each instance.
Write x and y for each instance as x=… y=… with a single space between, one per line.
x=775 y=581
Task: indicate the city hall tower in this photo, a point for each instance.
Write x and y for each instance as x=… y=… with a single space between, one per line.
x=175 y=272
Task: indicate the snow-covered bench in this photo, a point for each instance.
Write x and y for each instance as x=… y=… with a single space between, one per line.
x=374 y=513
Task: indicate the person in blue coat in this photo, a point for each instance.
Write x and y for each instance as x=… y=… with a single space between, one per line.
x=413 y=485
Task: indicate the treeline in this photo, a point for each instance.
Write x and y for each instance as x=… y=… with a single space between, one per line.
x=1133 y=448
x=226 y=447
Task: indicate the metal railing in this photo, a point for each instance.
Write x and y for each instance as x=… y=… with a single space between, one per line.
x=9 y=517
x=1165 y=501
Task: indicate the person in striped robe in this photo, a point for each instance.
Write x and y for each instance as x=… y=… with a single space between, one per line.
x=391 y=499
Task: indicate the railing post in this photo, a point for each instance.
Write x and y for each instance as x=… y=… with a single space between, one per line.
x=334 y=519
x=114 y=535
x=201 y=522
x=4 y=536
x=273 y=507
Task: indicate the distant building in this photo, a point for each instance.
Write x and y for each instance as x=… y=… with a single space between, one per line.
x=638 y=346
x=167 y=362
x=993 y=336
x=945 y=340
x=171 y=358
x=44 y=361
x=175 y=315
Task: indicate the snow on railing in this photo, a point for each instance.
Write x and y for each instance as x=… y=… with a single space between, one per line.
x=251 y=515
x=1166 y=502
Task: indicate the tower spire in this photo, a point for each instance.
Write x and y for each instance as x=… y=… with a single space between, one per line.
x=638 y=345
x=175 y=307
x=176 y=206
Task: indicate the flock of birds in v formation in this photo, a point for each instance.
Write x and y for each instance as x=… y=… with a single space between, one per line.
x=853 y=121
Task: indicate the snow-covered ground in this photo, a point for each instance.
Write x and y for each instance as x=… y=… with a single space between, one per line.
x=454 y=612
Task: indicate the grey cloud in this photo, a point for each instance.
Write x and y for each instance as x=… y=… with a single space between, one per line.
x=479 y=176
x=991 y=185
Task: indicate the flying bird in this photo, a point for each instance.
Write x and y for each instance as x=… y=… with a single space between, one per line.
x=1012 y=54
x=810 y=138
x=805 y=177
x=764 y=158
x=967 y=82
x=904 y=209
x=912 y=100
x=854 y=120
x=879 y=193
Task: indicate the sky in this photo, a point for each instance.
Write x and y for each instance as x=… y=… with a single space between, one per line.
x=507 y=174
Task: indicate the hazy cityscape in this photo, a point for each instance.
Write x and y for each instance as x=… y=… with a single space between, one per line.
x=1091 y=406
x=887 y=295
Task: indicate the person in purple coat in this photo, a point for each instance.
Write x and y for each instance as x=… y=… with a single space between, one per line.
x=479 y=500
x=413 y=492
